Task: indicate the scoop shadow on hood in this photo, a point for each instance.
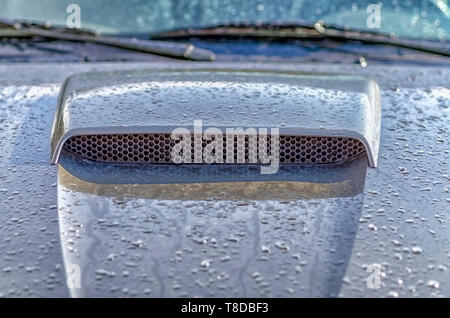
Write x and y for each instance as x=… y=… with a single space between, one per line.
x=220 y=182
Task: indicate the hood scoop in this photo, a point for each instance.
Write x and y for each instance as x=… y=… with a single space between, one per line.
x=217 y=116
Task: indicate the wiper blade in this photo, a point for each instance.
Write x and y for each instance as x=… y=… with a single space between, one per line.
x=164 y=48
x=242 y=29
x=298 y=30
x=377 y=38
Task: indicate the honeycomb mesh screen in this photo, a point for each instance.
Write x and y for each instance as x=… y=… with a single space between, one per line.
x=158 y=148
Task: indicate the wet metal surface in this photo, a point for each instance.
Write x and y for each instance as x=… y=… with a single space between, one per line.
x=169 y=244
x=227 y=248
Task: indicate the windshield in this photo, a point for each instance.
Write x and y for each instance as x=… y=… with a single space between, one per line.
x=417 y=19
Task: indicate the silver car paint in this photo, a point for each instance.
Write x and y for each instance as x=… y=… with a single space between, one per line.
x=167 y=245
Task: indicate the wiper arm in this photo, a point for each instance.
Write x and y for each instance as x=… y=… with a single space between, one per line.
x=170 y=49
x=298 y=30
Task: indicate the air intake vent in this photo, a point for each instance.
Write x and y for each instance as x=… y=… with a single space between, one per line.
x=129 y=116
x=157 y=148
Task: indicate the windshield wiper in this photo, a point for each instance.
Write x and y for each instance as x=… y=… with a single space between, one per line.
x=377 y=38
x=164 y=48
x=298 y=30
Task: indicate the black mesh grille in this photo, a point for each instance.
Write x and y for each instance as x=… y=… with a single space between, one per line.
x=157 y=148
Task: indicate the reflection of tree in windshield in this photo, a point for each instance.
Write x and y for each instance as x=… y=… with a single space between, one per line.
x=421 y=19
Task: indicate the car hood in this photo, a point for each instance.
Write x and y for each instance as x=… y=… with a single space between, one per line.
x=375 y=232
